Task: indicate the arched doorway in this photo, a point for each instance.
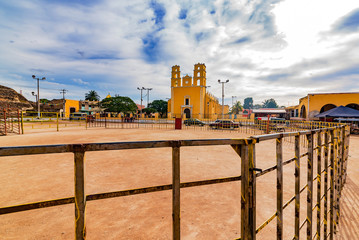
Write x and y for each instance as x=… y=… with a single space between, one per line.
x=353 y=105
x=303 y=112
x=327 y=107
x=187 y=112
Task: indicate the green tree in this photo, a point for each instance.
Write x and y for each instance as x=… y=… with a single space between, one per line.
x=257 y=106
x=44 y=100
x=237 y=107
x=270 y=103
x=160 y=106
x=119 y=104
x=92 y=96
x=248 y=103
x=149 y=110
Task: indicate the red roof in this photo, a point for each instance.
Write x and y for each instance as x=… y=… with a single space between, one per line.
x=140 y=107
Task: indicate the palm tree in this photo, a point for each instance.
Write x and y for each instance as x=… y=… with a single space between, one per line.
x=237 y=107
x=92 y=96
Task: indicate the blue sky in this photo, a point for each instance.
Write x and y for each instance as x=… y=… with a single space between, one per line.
x=266 y=48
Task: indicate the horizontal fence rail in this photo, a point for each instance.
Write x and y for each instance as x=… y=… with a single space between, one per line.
x=325 y=144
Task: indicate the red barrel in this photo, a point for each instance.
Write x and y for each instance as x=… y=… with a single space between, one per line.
x=178 y=123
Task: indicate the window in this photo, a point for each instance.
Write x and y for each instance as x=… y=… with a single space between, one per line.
x=187 y=101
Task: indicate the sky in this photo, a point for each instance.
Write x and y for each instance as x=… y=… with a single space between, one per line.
x=266 y=48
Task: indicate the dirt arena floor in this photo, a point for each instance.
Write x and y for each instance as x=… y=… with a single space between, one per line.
x=207 y=212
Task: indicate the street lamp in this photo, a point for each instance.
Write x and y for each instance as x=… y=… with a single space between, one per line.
x=33 y=94
x=219 y=81
x=141 y=89
x=38 y=94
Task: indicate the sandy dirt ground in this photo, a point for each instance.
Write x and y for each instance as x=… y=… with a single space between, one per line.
x=207 y=212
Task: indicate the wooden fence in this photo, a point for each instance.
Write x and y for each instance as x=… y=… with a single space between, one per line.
x=330 y=144
x=10 y=122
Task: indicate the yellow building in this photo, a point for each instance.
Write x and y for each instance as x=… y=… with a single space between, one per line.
x=189 y=96
x=71 y=106
x=320 y=102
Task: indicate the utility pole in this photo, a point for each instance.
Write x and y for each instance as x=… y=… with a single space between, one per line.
x=141 y=89
x=63 y=91
x=38 y=94
x=148 y=94
x=219 y=81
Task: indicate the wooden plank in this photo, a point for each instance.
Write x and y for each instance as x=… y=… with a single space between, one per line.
x=326 y=153
x=319 y=180
x=336 y=137
x=331 y=231
x=310 y=186
x=297 y=187
x=279 y=155
x=242 y=151
x=80 y=197
x=176 y=197
x=252 y=192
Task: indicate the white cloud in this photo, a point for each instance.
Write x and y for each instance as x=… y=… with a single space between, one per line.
x=266 y=48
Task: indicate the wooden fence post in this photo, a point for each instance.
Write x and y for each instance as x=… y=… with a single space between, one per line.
x=310 y=186
x=242 y=151
x=319 y=181
x=80 y=197
x=5 y=123
x=279 y=156
x=252 y=192
x=297 y=187
x=336 y=138
x=331 y=236
x=326 y=151
x=176 y=210
x=22 y=122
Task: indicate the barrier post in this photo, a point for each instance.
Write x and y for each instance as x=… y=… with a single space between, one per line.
x=319 y=181
x=176 y=180
x=22 y=122
x=80 y=197
x=297 y=187
x=57 y=122
x=252 y=191
x=336 y=138
x=279 y=153
x=18 y=121
x=331 y=236
x=326 y=151
x=5 y=123
x=310 y=185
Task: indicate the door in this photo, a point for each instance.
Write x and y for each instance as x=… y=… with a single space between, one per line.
x=187 y=112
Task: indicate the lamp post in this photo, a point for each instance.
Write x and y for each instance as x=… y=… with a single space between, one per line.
x=33 y=94
x=141 y=89
x=219 y=81
x=38 y=94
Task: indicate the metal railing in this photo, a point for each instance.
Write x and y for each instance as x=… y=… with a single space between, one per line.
x=335 y=148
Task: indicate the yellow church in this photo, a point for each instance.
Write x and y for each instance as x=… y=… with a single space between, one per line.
x=190 y=98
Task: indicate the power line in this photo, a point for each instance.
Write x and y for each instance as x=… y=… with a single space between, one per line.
x=63 y=91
